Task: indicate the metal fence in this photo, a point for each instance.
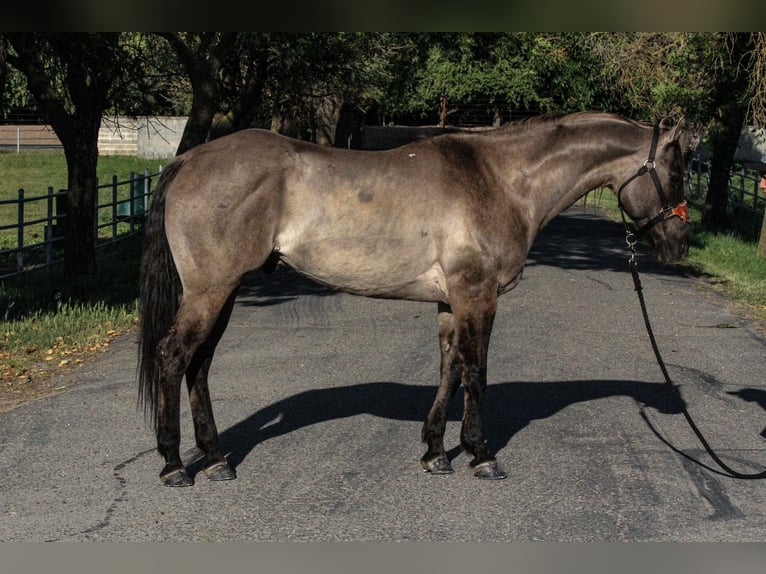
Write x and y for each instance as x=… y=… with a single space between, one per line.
x=746 y=201
x=31 y=233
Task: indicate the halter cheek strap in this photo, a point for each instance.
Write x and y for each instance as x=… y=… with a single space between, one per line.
x=666 y=212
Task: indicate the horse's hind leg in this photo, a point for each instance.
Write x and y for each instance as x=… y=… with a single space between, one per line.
x=205 y=432
x=195 y=321
x=435 y=459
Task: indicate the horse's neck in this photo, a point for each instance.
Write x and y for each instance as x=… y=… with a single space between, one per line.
x=573 y=172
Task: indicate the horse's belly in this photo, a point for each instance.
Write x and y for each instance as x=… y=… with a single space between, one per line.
x=394 y=274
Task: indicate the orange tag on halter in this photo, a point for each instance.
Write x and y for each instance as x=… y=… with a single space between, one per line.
x=682 y=211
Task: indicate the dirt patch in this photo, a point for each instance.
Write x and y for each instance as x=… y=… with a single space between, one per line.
x=43 y=377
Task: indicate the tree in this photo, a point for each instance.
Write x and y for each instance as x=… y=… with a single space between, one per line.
x=730 y=104
x=73 y=78
x=503 y=71
x=714 y=79
x=201 y=55
x=294 y=83
x=314 y=77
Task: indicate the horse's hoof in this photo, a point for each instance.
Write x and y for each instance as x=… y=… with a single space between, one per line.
x=177 y=477
x=220 y=471
x=439 y=465
x=489 y=470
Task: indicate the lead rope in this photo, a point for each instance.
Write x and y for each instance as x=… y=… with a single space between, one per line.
x=639 y=290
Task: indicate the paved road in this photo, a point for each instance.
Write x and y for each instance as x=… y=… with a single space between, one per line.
x=320 y=398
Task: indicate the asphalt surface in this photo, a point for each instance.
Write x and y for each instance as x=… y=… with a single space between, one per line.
x=320 y=399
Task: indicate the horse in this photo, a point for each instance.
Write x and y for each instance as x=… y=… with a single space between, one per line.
x=448 y=220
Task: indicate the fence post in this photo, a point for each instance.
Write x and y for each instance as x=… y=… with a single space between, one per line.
x=114 y=207
x=95 y=216
x=132 y=195
x=20 y=234
x=49 y=229
x=146 y=189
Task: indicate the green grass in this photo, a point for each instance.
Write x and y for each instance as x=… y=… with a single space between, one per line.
x=735 y=263
x=36 y=171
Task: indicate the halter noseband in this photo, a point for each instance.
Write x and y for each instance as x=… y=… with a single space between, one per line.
x=666 y=212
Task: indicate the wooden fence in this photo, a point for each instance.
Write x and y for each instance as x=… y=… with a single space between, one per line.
x=31 y=233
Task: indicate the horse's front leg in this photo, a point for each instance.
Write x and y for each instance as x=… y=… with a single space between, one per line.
x=435 y=459
x=473 y=322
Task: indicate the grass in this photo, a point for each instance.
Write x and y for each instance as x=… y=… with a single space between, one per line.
x=36 y=171
x=739 y=270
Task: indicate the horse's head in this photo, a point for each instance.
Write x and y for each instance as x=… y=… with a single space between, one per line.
x=654 y=197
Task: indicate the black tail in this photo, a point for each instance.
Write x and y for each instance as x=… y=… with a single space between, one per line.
x=160 y=291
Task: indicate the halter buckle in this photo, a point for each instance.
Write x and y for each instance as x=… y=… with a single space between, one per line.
x=649 y=164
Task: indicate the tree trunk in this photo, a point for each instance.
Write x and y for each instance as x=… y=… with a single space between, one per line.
x=85 y=61
x=202 y=111
x=724 y=144
x=730 y=92
x=81 y=151
x=201 y=58
x=326 y=116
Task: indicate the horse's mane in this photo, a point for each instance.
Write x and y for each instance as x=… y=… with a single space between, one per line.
x=559 y=118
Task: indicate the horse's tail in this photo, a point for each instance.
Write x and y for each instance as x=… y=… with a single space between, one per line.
x=160 y=290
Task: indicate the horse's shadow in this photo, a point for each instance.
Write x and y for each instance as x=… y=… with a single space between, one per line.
x=750 y=395
x=509 y=407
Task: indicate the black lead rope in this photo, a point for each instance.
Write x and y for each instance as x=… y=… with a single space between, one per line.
x=730 y=471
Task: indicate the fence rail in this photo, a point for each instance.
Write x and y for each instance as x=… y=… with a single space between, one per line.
x=28 y=137
x=31 y=233
x=746 y=201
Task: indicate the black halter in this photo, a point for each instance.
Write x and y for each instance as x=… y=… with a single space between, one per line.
x=666 y=211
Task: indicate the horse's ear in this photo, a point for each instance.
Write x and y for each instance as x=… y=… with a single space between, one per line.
x=674 y=125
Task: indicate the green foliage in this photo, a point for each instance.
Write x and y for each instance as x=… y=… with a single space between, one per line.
x=542 y=72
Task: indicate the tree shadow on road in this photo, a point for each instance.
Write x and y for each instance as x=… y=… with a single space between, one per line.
x=757 y=396
x=583 y=239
